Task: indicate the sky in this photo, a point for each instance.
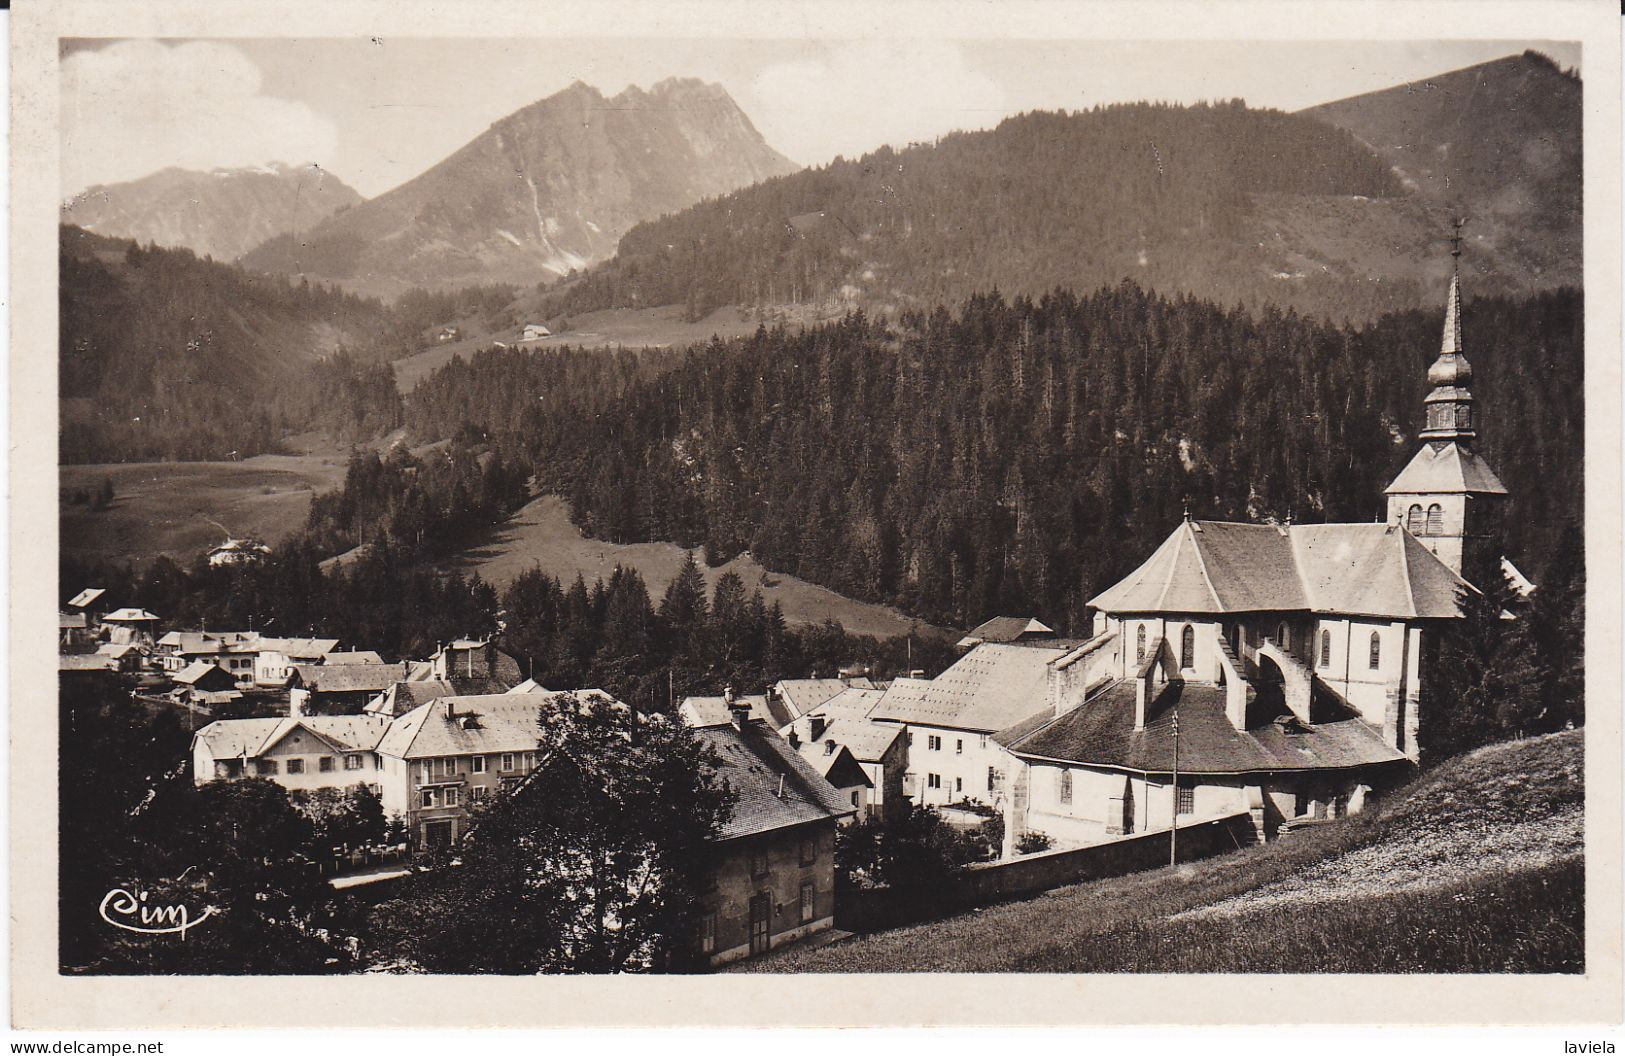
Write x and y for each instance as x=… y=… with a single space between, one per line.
x=376 y=112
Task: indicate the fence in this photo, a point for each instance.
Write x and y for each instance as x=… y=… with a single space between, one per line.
x=876 y=909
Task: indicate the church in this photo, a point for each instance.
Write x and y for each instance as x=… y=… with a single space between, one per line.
x=1271 y=670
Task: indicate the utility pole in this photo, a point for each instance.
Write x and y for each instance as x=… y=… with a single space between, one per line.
x=1173 y=830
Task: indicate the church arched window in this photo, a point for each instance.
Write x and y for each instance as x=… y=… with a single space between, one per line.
x=1139 y=643
x=1435 y=520
x=1187 y=647
x=1413 y=520
x=1376 y=650
x=1065 y=790
x=1325 y=648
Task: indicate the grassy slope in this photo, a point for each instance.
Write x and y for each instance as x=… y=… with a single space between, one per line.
x=1477 y=866
x=540 y=535
x=165 y=507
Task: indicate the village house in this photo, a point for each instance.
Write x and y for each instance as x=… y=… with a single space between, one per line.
x=879 y=748
x=836 y=764
x=131 y=625
x=715 y=711
x=299 y=752
x=332 y=689
x=234 y=652
x=429 y=765
x=274 y=658
x=534 y=332
x=237 y=552
x=949 y=721
x=74 y=633
x=126 y=658
x=201 y=682
x=775 y=857
x=1002 y=630
x=1289 y=659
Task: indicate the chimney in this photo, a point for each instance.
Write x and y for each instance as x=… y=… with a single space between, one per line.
x=829 y=747
x=794 y=739
x=738 y=713
x=451 y=709
x=817 y=724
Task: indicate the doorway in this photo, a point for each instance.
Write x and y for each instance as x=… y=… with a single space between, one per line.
x=761 y=915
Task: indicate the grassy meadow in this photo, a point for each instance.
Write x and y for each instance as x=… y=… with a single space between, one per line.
x=1476 y=866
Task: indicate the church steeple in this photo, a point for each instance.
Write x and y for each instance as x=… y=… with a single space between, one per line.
x=1450 y=414
x=1448 y=497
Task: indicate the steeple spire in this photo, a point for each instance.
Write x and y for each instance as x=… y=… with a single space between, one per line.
x=1450 y=414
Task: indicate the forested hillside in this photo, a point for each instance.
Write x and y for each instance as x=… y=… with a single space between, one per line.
x=1020 y=456
x=1229 y=203
x=164 y=355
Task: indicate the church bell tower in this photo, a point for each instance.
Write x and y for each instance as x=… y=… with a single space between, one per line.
x=1448 y=497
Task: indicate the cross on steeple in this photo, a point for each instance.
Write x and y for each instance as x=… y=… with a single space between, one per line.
x=1455 y=237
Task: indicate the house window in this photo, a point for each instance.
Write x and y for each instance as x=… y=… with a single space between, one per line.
x=992 y=778
x=428 y=798
x=1187 y=647
x=1064 y=793
x=452 y=796
x=1139 y=643
x=1325 y=648
x=377 y=789
x=855 y=802
x=1435 y=520
x=296 y=766
x=448 y=767
x=758 y=860
x=1280 y=636
x=530 y=760
x=325 y=764
x=708 y=932
x=223 y=769
x=933 y=781
x=959 y=746
x=1185 y=799
x=933 y=742
x=1413 y=520
x=809 y=850
x=808 y=890
x=959 y=784
x=507 y=761
x=352 y=762
x=476 y=765
x=1376 y=650
x=476 y=793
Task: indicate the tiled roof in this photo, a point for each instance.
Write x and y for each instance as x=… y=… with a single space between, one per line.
x=86 y=597
x=839 y=767
x=1008 y=629
x=70 y=620
x=198 y=670
x=349 y=678
x=82 y=662
x=500 y=723
x=128 y=616
x=351 y=656
x=1101 y=732
x=804 y=694
x=1353 y=569
x=849 y=704
x=989 y=688
x=234 y=738
x=305 y=647
x=775 y=786
x=1373 y=570
x=868 y=740
x=713 y=711
x=1451 y=469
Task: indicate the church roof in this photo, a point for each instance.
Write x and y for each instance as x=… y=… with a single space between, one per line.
x=1345 y=569
x=1451 y=469
x=1101 y=732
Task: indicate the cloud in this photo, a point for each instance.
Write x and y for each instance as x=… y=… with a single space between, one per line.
x=861 y=95
x=137 y=106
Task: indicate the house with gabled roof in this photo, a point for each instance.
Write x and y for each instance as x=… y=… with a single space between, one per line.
x=298 y=752
x=334 y=688
x=774 y=860
x=1005 y=629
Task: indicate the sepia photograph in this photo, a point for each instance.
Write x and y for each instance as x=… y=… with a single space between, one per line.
x=769 y=503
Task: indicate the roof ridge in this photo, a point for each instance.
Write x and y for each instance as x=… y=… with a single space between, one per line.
x=1053 y=719
x=1405 y=572
x=1201 y=563
x=1293 y=534
x=1173 y=563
